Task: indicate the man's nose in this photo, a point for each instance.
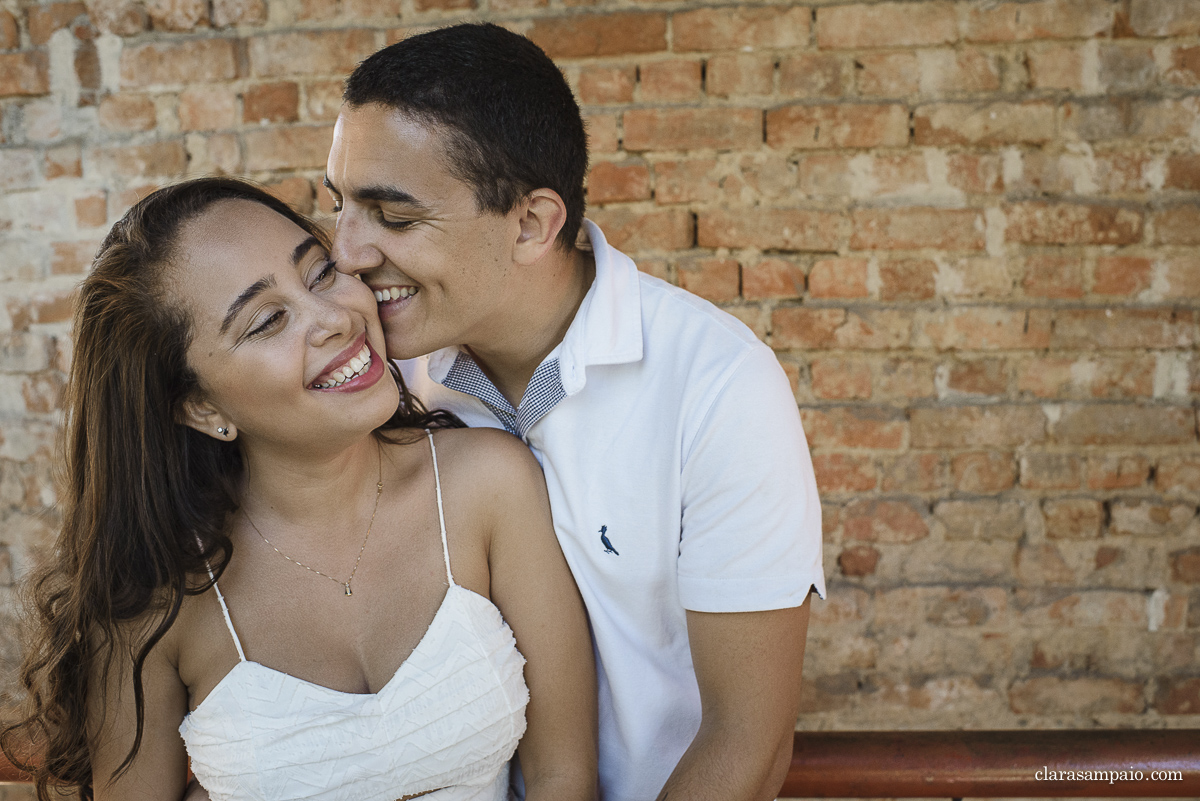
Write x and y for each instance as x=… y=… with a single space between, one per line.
x=352 y=250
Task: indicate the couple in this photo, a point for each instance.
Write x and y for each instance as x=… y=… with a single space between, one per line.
x=271 y=548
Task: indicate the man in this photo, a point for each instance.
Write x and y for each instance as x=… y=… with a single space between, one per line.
x=679 y=477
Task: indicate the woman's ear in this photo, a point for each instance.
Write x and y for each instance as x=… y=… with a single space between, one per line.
x=206 y=419
x=543 y=215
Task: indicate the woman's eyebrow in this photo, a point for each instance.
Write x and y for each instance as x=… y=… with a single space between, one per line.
x=247 y=295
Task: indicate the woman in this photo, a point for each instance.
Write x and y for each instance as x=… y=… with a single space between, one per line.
x=264 y=552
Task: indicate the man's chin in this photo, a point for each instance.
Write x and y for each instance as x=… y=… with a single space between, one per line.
x=399 y=351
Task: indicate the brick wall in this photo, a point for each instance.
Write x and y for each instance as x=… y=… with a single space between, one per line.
x=968 y=228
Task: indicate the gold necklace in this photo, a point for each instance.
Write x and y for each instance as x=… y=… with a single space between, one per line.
x=345 y=584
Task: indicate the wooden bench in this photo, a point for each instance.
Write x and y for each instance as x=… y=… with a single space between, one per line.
x=978 y=764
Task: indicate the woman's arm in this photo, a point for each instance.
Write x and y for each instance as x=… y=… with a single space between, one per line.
x=532 y=586
x=159 y=770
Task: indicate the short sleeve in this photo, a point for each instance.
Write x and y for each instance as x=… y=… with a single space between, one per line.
x=751 y=533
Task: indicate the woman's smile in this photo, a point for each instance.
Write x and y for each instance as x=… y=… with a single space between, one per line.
x=361 y=370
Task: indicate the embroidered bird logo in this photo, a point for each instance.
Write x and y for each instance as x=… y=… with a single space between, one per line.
x=608 y=546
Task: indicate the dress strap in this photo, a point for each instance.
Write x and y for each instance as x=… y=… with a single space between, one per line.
x=225 y=611
x=437 y=482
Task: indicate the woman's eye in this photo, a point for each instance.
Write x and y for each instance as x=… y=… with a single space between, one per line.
x=267 y=324
x=327 y=274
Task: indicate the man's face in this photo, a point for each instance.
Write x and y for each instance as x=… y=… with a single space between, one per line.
x=441 y=270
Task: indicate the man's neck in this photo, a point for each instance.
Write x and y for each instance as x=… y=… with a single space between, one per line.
x=537 y=327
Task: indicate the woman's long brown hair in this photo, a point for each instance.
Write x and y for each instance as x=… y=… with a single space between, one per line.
x=145 y=498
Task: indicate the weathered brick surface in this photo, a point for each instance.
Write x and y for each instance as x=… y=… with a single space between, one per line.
x=968 y=229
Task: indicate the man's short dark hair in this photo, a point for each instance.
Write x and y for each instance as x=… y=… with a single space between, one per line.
x=512 y=124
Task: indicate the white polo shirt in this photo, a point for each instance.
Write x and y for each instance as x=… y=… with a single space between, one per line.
x=679 y=479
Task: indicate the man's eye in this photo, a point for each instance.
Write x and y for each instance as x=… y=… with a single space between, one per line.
x=337 y=206
x=327 y=273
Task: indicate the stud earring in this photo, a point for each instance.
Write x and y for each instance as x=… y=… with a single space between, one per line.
x=224 y=432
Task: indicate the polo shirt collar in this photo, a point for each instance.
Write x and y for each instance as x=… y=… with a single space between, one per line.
x=607 y=328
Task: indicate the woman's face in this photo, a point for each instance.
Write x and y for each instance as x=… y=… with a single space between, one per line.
x=287 y=349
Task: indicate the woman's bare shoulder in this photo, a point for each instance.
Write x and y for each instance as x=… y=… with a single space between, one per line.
x=487 y=458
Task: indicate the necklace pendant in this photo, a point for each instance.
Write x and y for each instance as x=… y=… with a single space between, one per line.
x=347 y=586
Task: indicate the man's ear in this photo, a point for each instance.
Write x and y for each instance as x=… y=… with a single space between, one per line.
x=543 y=214
x=206 y=419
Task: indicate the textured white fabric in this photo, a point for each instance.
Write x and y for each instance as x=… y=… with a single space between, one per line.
x=447 y=721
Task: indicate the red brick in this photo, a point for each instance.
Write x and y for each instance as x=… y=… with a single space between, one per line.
x=915 y=472
x=824 y=176
x=10 y=37
x=912 y=228
x=986 y=520
x=1165 y=17
x=207 y=108
x=1178 y=225
x=126 y=112
x=1185 y=66
x=838 y=126
x=1178 y=696
x=91 y=211
x=64 y=161
x=811 y=75
x=287 y=148
x=1127 y=67
x=977 y=426
x=858 y=560
x=1043 y=564
x=632 y=231
x=1091 y=329
x=772 y=279
x=1124 y=424
x=1162 y=119
x=1050 y=695
x=447 y=5
x=1183 y=172
x=1053 y=276
x=1117 y=472
x=869 y=329
x=1064 y=376
x=1048 y=19
x=985 y=328
x=120 y=17
x=1145 y=518
x=904 y=379
x=601 y=132
x=1073 y=518
x=838 y=278
x=309 y=52
x=613 y=34
x=986 y=471
x=177 y=15
x=1042 y=223
x=887 y=74
x=995 y=123
x=238 y=12
x=609 y=182
x=166 y=159
x=692 y=128
x=1056 y=66
x=44 y=20
x=271 y=102
x=296 y=192
x=907 y=279
x=843 y=472
x=712 y=279
x=605 y=84
x=740 y=74
x=193 y=61
x=771 y=229
x=886 y=25
x=854 y=427
x=1185 y=565
x=1050 y=471
x=1178 y=474
x=25 y=73
x=1122 y=275
x=883 y=521
x=841 y=379
x=72 y=258
x=1180 y=277
x=669 y=81
x=323 y=101
x=87 y=71
x=1107 y=555
x=977 y=377
x=947 y=72
x=741 y=27
x=49 y=307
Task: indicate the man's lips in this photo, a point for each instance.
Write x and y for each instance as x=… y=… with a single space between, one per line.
x=385 y=294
